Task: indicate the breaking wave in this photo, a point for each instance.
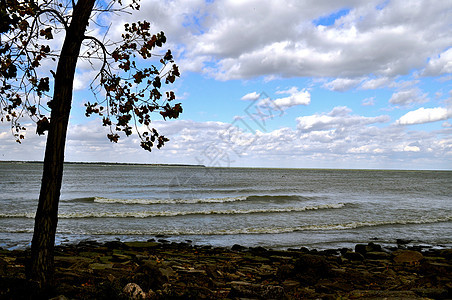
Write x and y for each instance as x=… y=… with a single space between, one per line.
x=168 y=201
x=252 y=198
x=263 y=230
x=148 y=214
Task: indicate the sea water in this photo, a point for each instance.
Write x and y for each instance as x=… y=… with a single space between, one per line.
x=273 y=208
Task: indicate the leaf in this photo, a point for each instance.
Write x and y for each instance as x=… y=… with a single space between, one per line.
x=42 y=126
x=46 y=33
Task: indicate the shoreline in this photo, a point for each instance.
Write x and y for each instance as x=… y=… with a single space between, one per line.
x=172 y=270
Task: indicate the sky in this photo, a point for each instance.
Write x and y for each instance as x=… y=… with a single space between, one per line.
x=287 y=84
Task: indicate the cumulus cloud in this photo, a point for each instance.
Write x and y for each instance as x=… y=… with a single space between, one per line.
x=375 y=83
x=244 y=39
x=407 y=97
x=338 y=118
x=336 y=138
x=251 y=96
x=439 y=65
x=295 y=97
x=342 y=84
x=424 y=115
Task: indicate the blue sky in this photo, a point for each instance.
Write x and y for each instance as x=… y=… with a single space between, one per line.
x=315 y=84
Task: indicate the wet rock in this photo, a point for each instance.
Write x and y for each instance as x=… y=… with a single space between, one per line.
x=3 y=267
x=434 y=293
x=152 y=274
x=355 y=256
x=370 y=247
x=246 y=289
x=309 y=268
x=394 y=295
x=141 y=245
x=134 y=291
x=88 y=244
x=375 y=255
x=258 y=250
x=237 y=247
x=99 y=266
x=115 y=245
x=407 y=257
x=403 y=241
x=436 y=268
x=329 y=252
x=117 y=257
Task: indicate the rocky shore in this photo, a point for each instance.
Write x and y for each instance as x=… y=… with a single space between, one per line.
x=164 y=270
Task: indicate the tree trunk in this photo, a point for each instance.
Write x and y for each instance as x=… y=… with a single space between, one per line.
x=42 y=246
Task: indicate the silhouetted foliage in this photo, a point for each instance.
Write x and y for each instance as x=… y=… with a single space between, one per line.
x=130 y=93
x=37 y=77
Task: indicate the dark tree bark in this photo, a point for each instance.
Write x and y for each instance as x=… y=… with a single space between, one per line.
x=42 y=247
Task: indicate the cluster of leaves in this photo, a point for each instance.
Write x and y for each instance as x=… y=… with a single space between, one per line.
x=132 y=92
x=25 y=30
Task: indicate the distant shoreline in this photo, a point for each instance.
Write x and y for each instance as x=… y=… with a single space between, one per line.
x=104 y=163
x=204 y=166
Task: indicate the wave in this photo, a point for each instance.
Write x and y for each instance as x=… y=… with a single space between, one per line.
x=329 y=227
x=168 y=201
x=148 y=214
x=252 y=198
x=260 y=230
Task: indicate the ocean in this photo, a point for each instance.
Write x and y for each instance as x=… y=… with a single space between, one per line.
x=272 y=208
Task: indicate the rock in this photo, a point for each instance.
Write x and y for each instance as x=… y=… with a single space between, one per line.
x=252 y=290
x=237 y=247
x=394 y=295
x=403 y=241
x=98 y=266
x=360 y=248
x=309 y=268
x=60 y=297
x=330 y=252
x=436 y=268
x=290 y=284
x=434 y=293
x=134 y=291
x=115 y=245
x=377 y=255
x=3 y=267
x=446 y=253
x=355 y=256
x=370 y=247
x=117 y=257
x=258 y=250
x=139 y=245
x=407 y=257
x=152 y=274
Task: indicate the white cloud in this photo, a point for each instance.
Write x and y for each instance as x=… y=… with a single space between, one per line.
x=251 y=96
x=424 y=115
x=231 y=40
x=295 y=97
x=339 y=118
x=407 y=97
x=388 y=41
x=442 y=64
x=342 y=84
x=372 y=84
x=368 y=101
x=321 y=140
